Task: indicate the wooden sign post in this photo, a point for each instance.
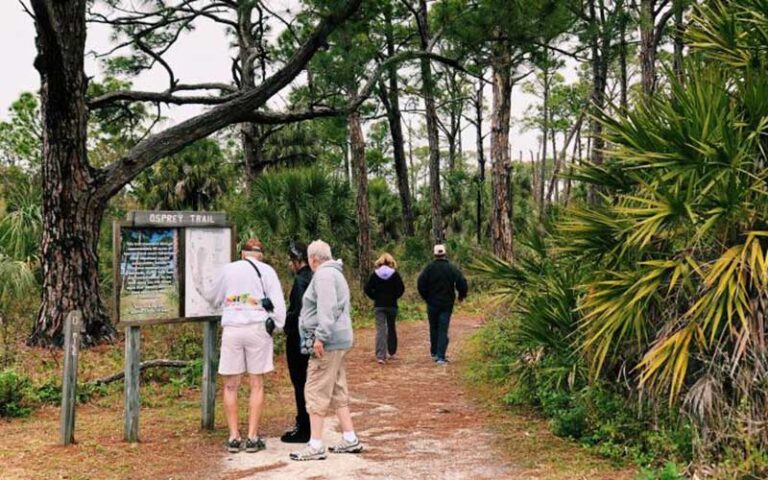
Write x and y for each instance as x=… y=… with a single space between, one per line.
x=163 y=263
x=73 y=327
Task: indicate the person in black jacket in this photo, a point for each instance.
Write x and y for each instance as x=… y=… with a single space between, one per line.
x=297 y=363
x=385 y=287
x=438 y=284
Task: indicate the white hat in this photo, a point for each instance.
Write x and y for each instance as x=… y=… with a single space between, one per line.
x=439 y=250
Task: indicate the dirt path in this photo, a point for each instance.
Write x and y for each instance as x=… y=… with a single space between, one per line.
x=417 y=422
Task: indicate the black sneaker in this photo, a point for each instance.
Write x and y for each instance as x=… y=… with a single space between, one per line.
x=296 y=435
x=255 y=445
x=233 y=445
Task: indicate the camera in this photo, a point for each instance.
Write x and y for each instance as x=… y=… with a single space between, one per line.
x=267 y=304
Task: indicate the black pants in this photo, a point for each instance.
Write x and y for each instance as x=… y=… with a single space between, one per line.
x=297 y=367
x=386 y=334
x=439 y=322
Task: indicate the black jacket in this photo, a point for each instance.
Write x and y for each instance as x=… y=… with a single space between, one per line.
x=439 y=282
x=385 y=293
x=300 y=284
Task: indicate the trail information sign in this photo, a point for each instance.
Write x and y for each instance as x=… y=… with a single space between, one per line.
x=165 y=262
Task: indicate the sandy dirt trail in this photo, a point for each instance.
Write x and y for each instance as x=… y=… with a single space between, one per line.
x=414 y=417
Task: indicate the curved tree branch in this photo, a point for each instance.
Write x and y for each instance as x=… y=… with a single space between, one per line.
x=147 y=152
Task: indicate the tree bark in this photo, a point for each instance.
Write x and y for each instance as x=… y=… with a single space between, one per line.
x=544 y=136
x=252 y=155
x=357 y=143
x=76 y=194
x=480 y=157
x=679 y=40
x=623 y=74
x=501 y=227
x=648 y=46
x=600 y=44
x=394 y=116
x=433 y=138
x=71 y=210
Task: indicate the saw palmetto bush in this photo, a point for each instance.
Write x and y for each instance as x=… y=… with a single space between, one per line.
x=299 y=204
x=679 y=293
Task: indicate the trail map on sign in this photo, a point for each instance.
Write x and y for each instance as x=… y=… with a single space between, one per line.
x=207 y=251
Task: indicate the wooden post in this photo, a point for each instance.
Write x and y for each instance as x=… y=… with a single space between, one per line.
x=73 y=326
x=132 y=373
x=210 y=330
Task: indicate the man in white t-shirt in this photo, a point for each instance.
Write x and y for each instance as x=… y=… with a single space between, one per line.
x=252 y=302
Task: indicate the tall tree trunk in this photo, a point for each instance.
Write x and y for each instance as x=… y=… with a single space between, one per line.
x=648 y=46
x=433 y=138
x=678 y=36
x=600 y=44
x=501 y=227
x=413 y=169
x=480 y=157
x=72 y=214
x=357 y=142
x=544 y=136
x=623 y=74
x=249 y=134
x=394 y=117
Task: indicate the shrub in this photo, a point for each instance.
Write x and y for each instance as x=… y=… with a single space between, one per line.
x=15 y=398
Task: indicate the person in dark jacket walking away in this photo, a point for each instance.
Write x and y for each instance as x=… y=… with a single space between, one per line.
x=297 y=362
x=385 y=287
x=438 y=284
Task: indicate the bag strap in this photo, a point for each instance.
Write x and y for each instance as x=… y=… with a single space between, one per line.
x=263 y=288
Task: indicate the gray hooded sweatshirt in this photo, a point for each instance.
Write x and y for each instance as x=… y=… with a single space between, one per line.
x=326 y=309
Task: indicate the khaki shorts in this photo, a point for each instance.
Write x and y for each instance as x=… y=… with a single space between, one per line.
x=326 y=387
x=246 y=349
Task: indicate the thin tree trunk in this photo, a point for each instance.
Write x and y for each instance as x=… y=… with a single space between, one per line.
x=253 y=155
x=357 y=142
x=648 y=46
x=544 y=134
x=679 y=39
x=623 y=75
x=575 y=130
x=480 y=157
x=394 y=117
x=600 y=46
x=432 y=130
x=555 y=167
x=72 y=214
x=501 y=227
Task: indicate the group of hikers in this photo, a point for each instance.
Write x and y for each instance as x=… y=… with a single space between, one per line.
x=318 y=328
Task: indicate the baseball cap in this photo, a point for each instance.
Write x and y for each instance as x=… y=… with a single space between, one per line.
x=439 y=250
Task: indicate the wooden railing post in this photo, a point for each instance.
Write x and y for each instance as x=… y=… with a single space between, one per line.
x=132 y=374
x=73 y=327
x=210 y=330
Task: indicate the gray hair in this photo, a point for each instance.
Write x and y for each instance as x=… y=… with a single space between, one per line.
x=320 y=250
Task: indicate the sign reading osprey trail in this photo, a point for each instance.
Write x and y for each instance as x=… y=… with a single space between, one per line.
x=165 y=262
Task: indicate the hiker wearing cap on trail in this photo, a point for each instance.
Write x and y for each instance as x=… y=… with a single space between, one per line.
x=438 y=285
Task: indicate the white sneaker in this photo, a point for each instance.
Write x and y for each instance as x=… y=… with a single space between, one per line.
x=347 y=447
x=309 y=453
